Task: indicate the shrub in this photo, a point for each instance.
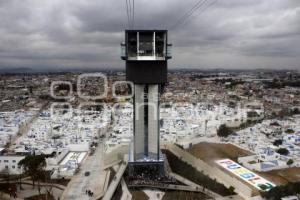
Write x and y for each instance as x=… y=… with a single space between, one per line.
x=224 y=131
x=283 y=151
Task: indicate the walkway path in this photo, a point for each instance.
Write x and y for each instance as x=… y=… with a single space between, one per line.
x=116 y=180
x=190 y=183
x=95 y=181
x=5 y=196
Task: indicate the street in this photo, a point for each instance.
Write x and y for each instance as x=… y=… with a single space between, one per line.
x=94 y=182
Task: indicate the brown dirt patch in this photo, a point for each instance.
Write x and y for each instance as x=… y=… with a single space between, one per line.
x=283 y=176
x=210 y=152
x=138 y=195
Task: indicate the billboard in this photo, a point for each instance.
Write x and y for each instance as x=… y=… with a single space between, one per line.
x=246 y=175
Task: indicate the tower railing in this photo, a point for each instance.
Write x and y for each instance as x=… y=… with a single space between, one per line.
x=123 y=51
x=169 y=51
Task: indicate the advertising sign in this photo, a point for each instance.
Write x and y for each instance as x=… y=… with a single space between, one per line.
x=245 y=174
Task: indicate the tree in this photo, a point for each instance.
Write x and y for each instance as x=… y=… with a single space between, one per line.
x=277 y=142
x=282 y=191
x=296 y=111
x=231 y=189
x=274 y=123
x=31 y=89
x=283 y=151
x=33 y=166
x=289 y=162
x=224 y=131
x=290 y=131
x=252 y=114
x=284 y=113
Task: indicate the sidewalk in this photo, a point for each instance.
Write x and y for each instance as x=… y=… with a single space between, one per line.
x=5 y=196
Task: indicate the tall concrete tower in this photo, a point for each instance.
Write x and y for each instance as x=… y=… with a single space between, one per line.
x=146 y=53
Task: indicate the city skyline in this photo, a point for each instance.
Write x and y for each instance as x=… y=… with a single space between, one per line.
x=86 y=35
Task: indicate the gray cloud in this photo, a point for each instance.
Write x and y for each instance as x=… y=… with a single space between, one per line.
x=81 y=33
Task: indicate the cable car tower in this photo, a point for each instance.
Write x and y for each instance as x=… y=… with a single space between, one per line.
x=146 y=53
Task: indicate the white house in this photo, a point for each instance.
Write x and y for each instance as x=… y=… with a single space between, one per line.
x=10 y=163
x=267 y=161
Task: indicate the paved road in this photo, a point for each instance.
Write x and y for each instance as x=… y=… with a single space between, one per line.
x=126 y=195
x=25 y=128
x=192 y=184
x=94 y=182
x=115 y=182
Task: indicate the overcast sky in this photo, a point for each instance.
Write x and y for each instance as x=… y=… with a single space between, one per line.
x=87 y=33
